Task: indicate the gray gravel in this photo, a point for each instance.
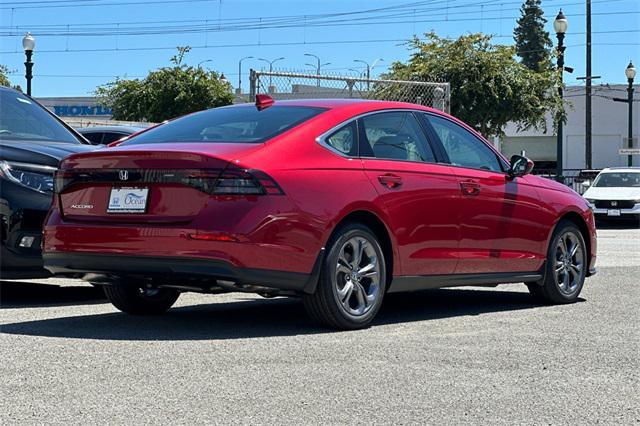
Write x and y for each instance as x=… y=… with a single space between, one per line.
x=446 y=356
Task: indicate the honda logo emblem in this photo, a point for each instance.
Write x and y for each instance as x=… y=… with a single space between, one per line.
x=124 y=175
x=614 y=203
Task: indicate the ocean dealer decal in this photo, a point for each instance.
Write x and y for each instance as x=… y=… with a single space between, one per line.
x=128 y=200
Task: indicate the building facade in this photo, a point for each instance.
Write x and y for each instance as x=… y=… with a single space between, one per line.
x=609 y=131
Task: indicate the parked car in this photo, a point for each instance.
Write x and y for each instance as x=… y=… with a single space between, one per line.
x=335 y=201
x=32 y=142
x=615 y=193
x=104 y=135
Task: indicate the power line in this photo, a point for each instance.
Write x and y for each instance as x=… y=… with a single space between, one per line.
x=206 y=27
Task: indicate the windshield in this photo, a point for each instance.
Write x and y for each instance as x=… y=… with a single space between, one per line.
x=22 y=119
x=617 y=180
x=242 y=124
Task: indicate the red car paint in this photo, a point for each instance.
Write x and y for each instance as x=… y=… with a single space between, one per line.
x=440 y=218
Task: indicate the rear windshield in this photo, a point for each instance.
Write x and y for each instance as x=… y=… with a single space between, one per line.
x=617 y=180
x=244 y=124
x=22 y=119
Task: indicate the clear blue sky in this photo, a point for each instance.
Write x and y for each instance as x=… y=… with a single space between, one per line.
x=271 y=29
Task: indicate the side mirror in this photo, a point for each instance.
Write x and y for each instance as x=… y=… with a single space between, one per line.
x=586 y=184
x=520 y=166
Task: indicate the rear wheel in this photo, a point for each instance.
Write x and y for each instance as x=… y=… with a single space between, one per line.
x=566 y=267
x=352 y=281
x=137 y=300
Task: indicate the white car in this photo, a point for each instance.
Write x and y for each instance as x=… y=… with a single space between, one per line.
x=615 y=192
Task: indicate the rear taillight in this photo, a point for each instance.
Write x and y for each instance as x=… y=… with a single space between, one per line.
x=246 y=182
x=231 y=181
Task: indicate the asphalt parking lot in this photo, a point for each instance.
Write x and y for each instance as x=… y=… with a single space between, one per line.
x=450 y=356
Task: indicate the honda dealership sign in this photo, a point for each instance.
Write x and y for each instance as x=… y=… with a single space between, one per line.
x=76 y=107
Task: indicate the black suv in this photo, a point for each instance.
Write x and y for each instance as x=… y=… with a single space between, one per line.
x=32 y=142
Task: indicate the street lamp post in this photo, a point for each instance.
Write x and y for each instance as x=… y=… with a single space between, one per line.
x=318 y=66
x=560 y=26
x=204 y=62
x=369 y=68
x=630 y=72
x=271 y=89
x=28 y=44
x=239 y=89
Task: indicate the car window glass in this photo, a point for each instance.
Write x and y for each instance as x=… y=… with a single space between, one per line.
x=617 y=180
x=344 y=140
x=22 y=119
x=396 y=136
x=234 y=124
x=94 y=137
x=463 y=148
x=112 y=137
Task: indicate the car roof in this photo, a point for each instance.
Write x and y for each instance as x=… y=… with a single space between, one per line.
x=365 y=104
x=116 y=129
x=621 y=169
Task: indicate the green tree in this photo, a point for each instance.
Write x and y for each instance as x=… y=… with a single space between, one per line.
x=489 y=88
x=4 y=80
x=166 y=93
x=532 y=41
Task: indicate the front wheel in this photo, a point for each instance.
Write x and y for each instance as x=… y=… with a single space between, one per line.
x=352 y=281
x=565 y=268
x=136 y=300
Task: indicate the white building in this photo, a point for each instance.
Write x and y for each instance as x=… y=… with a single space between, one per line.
x=609 y=131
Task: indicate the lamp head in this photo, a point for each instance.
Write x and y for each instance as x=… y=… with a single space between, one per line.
x=630 y=71
x=560 y=24
x=28 y=42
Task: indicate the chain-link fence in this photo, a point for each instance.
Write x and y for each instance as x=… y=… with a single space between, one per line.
x=288 y=85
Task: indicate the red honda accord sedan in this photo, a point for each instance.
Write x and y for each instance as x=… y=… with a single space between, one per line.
x=335 y=201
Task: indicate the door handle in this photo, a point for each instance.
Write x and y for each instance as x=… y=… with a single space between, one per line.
x=470 y=188
x=389 y=180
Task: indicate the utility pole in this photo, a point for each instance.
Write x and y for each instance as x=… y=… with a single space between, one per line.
x=588 y=123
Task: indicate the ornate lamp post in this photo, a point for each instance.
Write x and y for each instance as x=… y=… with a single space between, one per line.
x=560 y=26
x=28 y=44
x=630 y=72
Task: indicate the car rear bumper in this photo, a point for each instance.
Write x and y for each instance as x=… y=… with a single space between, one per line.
x=172 y=270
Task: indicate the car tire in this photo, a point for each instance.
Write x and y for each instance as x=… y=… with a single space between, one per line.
x=136 y=300
x=565 y=268
x=352 y=281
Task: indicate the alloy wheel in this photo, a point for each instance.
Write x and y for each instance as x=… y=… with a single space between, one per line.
x=357 y=276
x=569 y=263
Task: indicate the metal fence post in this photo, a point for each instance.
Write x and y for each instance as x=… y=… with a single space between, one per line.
x=253 y=78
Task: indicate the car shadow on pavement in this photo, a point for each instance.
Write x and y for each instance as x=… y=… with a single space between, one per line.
x=23 y=294
x=263 y=318
x=617 y=224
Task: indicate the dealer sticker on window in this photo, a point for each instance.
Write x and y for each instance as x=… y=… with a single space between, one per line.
x=128 y=200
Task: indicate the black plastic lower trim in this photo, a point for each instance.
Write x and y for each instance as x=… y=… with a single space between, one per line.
x=168 y=268
x=414 y=283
